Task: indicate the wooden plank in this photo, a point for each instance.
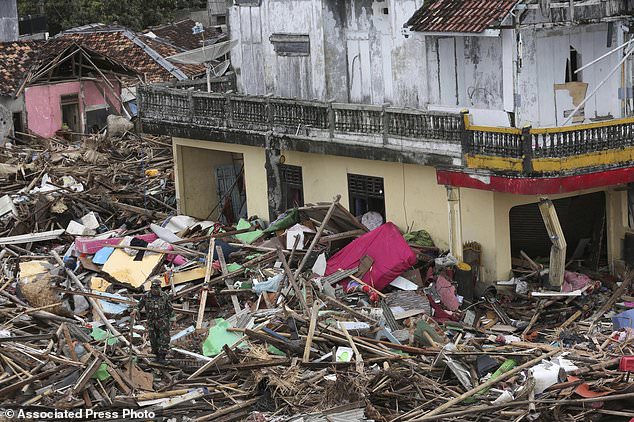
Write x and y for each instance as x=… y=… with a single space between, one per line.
x=358 y=358
x=557 y=265
x=225 y=271
x=311 y=331
x=31 y=237
x=203 y=295
x=13 y=387
x=291 y=279
x=87 y=374
x=320 y=231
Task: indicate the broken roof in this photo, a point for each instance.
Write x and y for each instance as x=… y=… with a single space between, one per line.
x=179 y=34
x=143 y=54
x=470 y=16
x=15 y=60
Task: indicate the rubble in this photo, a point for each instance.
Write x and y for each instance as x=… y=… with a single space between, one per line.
x=311 y=318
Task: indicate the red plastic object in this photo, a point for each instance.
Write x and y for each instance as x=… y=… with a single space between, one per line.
x=385 y=244
x=627 y=364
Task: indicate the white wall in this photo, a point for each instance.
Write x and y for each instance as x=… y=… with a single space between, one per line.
x=357 y=51
x=544 y=57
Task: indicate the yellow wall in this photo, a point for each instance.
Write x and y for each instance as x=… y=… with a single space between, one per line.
x=411 y=192
x=199 y=193
x=196 y=183
x=412 y=196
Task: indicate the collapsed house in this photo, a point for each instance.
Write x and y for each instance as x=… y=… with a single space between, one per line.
x=73 y=81
x=395 y=139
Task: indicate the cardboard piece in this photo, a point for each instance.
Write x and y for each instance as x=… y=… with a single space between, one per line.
x=99 y=284
x=123 y=268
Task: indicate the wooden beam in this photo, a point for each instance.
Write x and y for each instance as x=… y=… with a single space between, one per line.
x=203 y=295
x=557 y=265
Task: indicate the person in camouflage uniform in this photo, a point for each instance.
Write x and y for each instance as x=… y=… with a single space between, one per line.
x=160 y=314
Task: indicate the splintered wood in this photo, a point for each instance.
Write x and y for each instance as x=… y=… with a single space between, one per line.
x=264 y=332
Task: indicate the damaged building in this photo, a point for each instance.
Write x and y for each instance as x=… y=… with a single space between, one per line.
x=72 y=82
x=454 y=117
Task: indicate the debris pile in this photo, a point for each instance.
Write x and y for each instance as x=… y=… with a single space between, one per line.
x=314 y=317
x=54 y=184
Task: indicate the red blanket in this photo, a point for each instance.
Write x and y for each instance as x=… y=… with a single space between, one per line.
x=386 y=246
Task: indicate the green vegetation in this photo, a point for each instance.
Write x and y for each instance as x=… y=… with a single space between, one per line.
x=134 y=14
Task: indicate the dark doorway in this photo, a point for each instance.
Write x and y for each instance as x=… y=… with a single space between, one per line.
x=232 y=193
x=18 y=125
x=366 y=194
x=582 y=220
x=70 y=113
x=292 y=186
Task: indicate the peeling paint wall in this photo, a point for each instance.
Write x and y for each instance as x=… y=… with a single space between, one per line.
x=543 y=64
x=465 y=72
x=357 y=51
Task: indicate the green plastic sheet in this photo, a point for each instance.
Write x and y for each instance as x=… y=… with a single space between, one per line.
x=248 y=237
x=218 y=337
x=101 y=335
x=289 y=220
x=102 y=373
x=233 y=267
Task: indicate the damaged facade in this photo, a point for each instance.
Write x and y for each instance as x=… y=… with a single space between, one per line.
x=415 y=113
x=74 y=81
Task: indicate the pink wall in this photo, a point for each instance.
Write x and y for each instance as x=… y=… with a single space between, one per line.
x=43 y=108
x=93 y=94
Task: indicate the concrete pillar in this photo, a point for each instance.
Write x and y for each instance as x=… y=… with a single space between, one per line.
x=274 y=186
x=455 y=222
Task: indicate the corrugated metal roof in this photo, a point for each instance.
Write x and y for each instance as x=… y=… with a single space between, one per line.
x=470 y=16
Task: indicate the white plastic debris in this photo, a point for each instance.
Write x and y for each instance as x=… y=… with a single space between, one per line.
x=78 y=229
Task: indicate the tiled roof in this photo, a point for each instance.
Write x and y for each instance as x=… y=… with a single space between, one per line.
x=180 y=34
x=473 y=16
x=15 y=60
x=143 y=55
x=119 y=45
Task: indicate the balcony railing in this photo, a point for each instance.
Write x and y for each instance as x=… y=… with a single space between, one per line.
x=289 y=116
x=518 y=151
x=549 y=150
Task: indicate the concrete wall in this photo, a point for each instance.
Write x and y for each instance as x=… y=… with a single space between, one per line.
x=195 y=162
x=199 y=190
x=44 y=111
x=357 y=52
x=98 y=94
x=9 y=30
x=543 y=64
x=412 y=196
x=14 y=105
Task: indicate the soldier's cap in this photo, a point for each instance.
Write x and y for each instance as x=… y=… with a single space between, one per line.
x=156 y=283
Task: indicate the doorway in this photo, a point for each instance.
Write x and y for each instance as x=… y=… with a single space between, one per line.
x=70 y=113
x=582 y=220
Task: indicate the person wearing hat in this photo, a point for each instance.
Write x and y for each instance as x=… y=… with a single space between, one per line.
x=158 y=306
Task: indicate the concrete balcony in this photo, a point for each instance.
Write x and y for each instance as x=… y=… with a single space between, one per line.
x=444 y=140
x=557 y=151
x=353 y=130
